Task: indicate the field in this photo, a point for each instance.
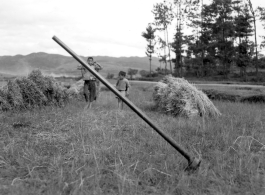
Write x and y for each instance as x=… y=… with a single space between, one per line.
x=68 y=150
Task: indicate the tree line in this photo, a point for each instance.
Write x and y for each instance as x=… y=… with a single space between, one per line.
x=209 y=38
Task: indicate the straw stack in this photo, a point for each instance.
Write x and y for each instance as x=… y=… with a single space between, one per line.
x=180 y=98
x=4 y=105
x=33 y=91
x=32 y=95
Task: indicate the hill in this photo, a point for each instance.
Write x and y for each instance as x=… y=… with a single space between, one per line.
x=65 y=65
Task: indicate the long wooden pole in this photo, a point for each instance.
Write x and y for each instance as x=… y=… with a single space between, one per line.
x=194 y=163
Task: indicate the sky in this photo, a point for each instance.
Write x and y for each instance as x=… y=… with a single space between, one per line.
x=88 y=27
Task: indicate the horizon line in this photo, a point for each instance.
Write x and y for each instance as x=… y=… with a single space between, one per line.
x=79 y=55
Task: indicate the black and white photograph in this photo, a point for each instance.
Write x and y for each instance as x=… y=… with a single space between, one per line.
x=132 y=97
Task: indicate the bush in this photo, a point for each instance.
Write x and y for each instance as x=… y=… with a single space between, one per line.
x=180 y=98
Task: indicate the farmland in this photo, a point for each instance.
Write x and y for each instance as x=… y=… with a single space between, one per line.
x=68 y=150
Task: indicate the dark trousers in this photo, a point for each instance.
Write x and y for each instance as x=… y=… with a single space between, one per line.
x=90 y=90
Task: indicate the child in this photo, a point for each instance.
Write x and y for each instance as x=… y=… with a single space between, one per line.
x=123 y=86
x=90 y=82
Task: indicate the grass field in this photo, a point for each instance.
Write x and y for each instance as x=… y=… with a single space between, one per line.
x=66 y=150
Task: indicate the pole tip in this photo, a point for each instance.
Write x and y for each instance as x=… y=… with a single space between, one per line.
x=194 y=164
x=54 y=37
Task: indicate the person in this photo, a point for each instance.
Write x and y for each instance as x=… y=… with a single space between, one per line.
x=123 y=86
x=91 y=84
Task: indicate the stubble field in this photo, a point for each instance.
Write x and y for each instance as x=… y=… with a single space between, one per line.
x=66 y=150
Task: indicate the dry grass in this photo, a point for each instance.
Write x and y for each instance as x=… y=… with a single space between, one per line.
x=71 y=151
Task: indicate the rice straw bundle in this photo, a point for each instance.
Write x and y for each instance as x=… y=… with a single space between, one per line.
x=59 y=94
x=53 y=91
x=180 y=98
x=32 y=95
x=41 y=82
x=31 y=91
x=4 y=105
x=14 y=97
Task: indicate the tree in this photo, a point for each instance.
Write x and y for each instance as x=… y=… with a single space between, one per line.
x=162 y=58
x=196 y=20
x=179 y=40
x=261 y=11
x=163 y=17
x=213 y=43
x=132 y=72
x=149 y=35
x=243 y=30
x=255 y=31
x=143 y=73
x=177 y=48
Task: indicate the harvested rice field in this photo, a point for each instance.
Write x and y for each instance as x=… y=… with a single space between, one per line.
x=69 y=150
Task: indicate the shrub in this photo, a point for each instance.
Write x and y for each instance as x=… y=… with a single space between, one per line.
x=180 y=98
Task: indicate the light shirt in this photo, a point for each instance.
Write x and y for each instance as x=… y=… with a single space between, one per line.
x=87 y=75
x=123 y=84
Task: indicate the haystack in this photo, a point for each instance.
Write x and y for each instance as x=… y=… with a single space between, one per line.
x=59 y=94
x=37 y=77
x=34 y=90
x=180 y=98
x=4 y=105
x=45 y=83
x=75 y=89
x=32 y=95
x=53 y=91
x=14 y=96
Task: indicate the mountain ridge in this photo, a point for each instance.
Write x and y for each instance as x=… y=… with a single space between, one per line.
x=60 y=64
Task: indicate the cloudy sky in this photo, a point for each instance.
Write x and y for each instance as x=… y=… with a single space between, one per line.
x=89 y=27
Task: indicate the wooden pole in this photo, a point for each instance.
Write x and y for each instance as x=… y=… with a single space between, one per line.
x=193 y=163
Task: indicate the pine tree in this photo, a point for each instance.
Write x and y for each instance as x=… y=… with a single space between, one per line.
x=163 y=17
x=149 y=35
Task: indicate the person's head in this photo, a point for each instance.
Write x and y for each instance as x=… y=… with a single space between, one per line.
x=122 y=74
x=90 y=60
